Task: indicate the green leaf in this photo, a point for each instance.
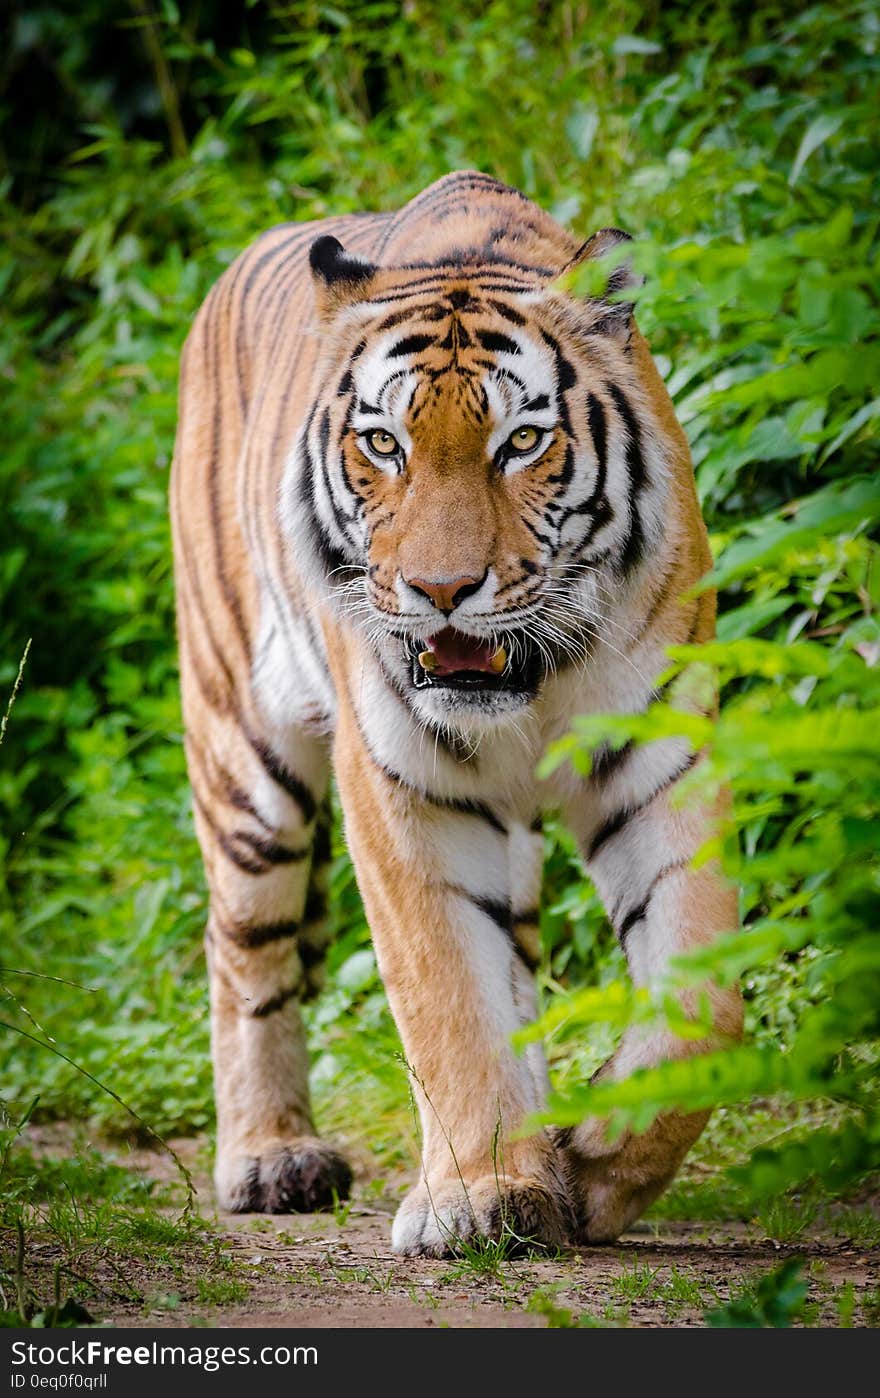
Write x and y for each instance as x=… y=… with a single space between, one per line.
x=581 y=127
x=634 y=43
x=820 y=130
x=837 y=508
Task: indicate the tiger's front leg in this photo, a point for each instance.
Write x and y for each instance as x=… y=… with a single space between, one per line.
x=639 y=854
x=264 y=834
x=435 y=881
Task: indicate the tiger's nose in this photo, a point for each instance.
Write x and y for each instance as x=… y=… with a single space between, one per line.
x=446 y=593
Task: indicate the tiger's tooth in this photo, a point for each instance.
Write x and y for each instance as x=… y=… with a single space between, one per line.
x=498 y=661
x=427 y=660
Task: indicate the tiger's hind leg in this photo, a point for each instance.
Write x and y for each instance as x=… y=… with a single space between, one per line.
x=640 y=858
x=261 y=819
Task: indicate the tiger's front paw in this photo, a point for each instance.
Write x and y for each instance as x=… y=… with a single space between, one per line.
x=297 y=1176
x=434 y=1221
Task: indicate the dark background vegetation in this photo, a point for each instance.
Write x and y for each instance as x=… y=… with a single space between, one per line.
x=143 y=146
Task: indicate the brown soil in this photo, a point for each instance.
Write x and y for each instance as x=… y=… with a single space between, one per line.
x=339 y=1271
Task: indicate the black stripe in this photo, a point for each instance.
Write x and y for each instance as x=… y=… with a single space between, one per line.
x=270 y=851
x=321 y=847
x=531 y=915
x=597 y=505
x=340 y=517
x=332 y=558
x=260 y=934
x=504 y=919
x=283 y=777
x=259 y=853
x=439 y=283
x=511 y=377
x=240 y=799
x=392 y=378
x=634 y=543
x=563 y=477
x=459 y=805
x=311 y=956
x=425 y=310
x=315 y=909
x=456 y=337
x=607 y=761
x=531 y=962
x=498 y=912
x=641 y=910
x=277 y=1002
x=230 y=793
x=537 y=534
x=410 y=344
x=241 y=861
x=507 y=312
x=616 y=823
x=565 y=370
x=537 y=405
x=695 y=619
x=420 y=286
x=512 y=287
x=497 y=343
x=462 y=806
x=599 y=432
x=497 y=265
x=632 y=917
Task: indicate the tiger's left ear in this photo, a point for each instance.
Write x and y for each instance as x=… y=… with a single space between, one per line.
x=340 y=278
x=616 y=313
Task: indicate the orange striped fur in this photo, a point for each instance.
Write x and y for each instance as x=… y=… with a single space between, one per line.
x=399 y=438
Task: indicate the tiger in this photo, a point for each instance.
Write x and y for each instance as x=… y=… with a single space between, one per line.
x=430 y=502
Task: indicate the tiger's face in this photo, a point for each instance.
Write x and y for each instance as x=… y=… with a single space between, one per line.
x=476 y=476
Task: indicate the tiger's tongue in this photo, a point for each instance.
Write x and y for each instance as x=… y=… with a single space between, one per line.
x=455 y=651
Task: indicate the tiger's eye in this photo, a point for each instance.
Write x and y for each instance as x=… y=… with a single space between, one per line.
x=524 y=438
x=382 y=443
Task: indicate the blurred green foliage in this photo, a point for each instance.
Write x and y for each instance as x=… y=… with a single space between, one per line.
x=143 y=147
x=771 y=1302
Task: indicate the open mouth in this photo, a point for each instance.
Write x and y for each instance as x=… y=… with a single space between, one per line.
x=452 y=660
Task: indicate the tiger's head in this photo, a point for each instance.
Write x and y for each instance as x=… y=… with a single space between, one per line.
x=481 y=474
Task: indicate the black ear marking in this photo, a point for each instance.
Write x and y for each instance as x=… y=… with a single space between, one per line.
x=329 y=261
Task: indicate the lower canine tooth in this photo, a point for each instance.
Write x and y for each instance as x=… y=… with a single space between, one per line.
x=498 y=661
x=428 y=660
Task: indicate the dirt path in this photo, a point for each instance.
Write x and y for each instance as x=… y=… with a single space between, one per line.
x=338 y=1271
x=316 y=1273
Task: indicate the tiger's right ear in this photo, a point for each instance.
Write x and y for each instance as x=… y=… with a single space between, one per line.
x=616 y=312
x=340 y=278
